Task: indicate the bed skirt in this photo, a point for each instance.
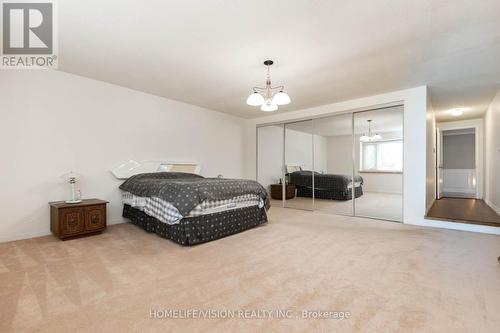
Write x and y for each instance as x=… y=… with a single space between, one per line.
x=303 y=191
x=200 y=229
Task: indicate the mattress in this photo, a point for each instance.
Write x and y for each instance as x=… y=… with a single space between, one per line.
x=166 y=212
x=200 y=229
x=329 y=194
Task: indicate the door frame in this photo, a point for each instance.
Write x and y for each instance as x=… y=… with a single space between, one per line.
x=439 y=162
x=477 y=124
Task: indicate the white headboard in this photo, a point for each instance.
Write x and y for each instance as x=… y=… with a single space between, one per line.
x=131 y=168
x=293 y=168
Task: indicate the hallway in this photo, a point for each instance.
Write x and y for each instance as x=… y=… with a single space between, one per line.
x=472 y=211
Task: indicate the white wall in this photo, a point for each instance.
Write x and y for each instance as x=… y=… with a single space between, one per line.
x=270 y=158
x=339 y=154
x=492 y=154
x=298 y=149
x=53 y=122
x=320 y=154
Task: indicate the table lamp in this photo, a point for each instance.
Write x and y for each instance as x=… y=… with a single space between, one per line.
x=72 y=178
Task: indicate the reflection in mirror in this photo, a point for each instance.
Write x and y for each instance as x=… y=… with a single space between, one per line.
x=299 y=165
x=270 y=161
x=333 y=165
x=378 y=147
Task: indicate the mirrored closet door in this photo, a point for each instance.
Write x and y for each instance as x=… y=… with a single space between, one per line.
x=348 y=164
x=333 y=164
x=299 y=164
x=378 y=163
x=270 y=145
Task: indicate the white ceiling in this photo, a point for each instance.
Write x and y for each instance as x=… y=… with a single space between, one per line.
x=209 y=53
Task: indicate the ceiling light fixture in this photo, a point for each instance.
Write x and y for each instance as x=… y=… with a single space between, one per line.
x=370 y=137
x=268 y=98
x=457 y=112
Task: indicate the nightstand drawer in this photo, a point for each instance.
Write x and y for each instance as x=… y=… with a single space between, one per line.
x=72 y=221
x=95 y=217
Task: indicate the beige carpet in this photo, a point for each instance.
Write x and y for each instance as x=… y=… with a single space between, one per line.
x=390 y=277
x=379 y=205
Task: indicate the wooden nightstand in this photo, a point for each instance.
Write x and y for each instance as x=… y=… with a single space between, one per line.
x=72 y=220
x=277 y=191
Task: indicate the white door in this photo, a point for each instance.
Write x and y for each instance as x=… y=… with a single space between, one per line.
x=439 y=163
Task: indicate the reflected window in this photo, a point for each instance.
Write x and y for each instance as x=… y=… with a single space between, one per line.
x=382 y=156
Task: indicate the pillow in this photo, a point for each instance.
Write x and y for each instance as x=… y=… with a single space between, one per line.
x=163 y=175
x=190 y=168
x=293 y=168
x=154 y=178
x=163 y=168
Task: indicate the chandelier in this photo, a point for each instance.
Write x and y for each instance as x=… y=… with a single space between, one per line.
x=268 y=98
x=370 y=137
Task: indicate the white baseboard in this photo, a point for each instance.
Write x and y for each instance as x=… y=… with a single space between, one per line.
x=118 y=221
x=29 y=235
x=457 y=226
x=495 y=208
x=24 y=236
x=470 y=195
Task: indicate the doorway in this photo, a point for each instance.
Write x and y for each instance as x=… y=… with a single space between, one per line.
x=458 y=163
x=459 y=175
x=459 y=160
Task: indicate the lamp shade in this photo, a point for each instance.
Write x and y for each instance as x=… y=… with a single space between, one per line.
x=281 y=98
x=364 y=138
x=255 y=99
x=269 y=107
x=71 y=177
x=377 y=137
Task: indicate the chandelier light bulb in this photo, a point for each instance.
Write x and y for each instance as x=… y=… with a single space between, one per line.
x=269 y=107
x=255 y=99
x=281 y=98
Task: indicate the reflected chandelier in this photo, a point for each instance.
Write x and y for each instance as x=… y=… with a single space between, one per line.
x=370 y=137
x=268 y=98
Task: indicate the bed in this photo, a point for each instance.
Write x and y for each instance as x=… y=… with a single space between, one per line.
x=326 y=186
x=187 y=208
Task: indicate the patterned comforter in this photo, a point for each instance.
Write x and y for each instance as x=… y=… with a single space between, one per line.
x=186 y=191
x=326 y=186
x=323 y=180
x=165 y=212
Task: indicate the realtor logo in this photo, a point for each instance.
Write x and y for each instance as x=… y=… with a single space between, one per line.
x=28 y=35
